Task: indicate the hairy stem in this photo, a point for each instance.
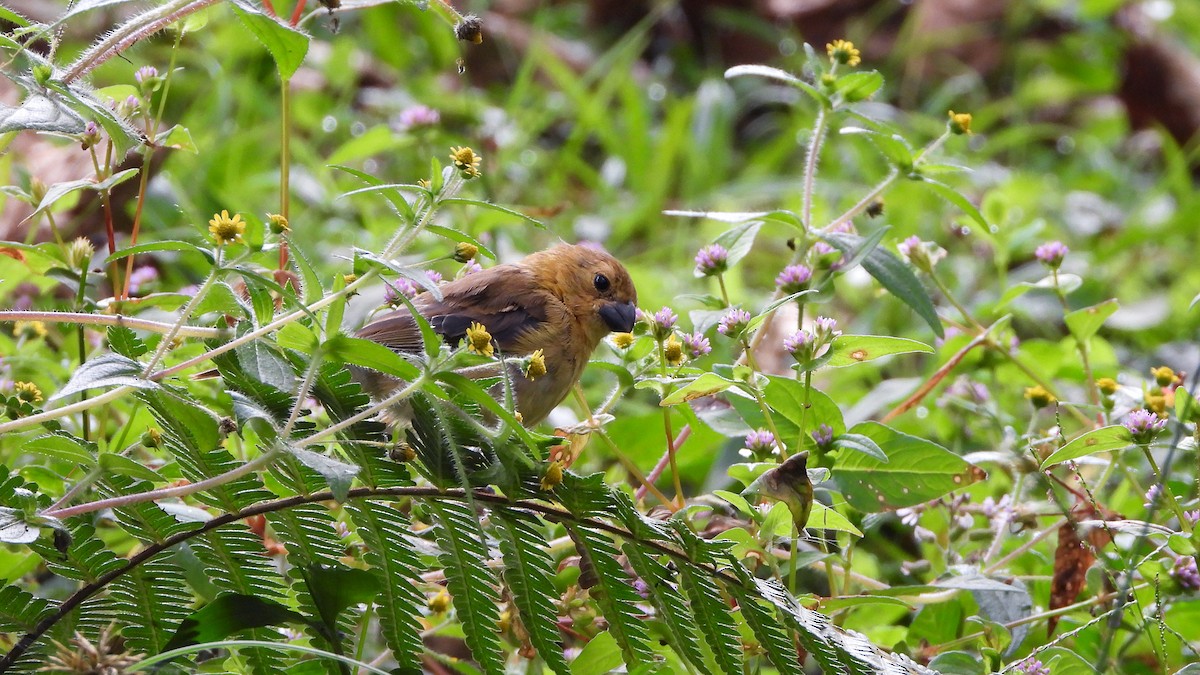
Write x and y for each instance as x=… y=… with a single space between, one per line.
x=113 y=320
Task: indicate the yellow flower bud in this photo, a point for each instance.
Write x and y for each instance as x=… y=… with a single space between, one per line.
x=464 y=252
x=537 y=365
x=960 y=123
x=1040 y=397
x=622 y=340
x=552 y=477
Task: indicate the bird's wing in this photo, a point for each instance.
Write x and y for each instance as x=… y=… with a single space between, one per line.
x=503 y=299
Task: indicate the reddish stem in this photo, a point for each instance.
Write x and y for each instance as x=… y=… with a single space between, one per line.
x=665 y=460
x=298 y=12
x=270 y=8
x=933 y=381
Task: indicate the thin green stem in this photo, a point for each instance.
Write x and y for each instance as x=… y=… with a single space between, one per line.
x=678 y=484
x=165 y=345
x=112 y=320
x=64 y=411
x=810 y=162
x=1166 y=489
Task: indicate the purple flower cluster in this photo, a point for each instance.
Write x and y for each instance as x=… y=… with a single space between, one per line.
x=1144 y=425
x=394 y=290
x=825 y=329
x=1052 y=253
x=697 y=345
x=799 y=345
x=712 y=260
x=734 y=322
x=417 y=116
x=758 y=443
x=1185 y=573
x=823 y=436
x=1032 y=666
x=661 y=323
x=145 y=73
x=910 y=246
x=141 y=276
x=793 y=279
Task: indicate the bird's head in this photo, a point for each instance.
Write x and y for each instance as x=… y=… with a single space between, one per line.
x=593 y=284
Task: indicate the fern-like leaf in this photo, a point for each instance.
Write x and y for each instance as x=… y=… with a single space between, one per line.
x=614 y=593
x=670 y=604
x=151 y=600
x=712 y=615
x=471 y=582
x=384 y=530
x=312 y=540
x=766 y=626
x=528 y=572
x=342 y=397
x=235 y=560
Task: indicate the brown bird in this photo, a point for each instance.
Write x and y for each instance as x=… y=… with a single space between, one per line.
x=562 y=300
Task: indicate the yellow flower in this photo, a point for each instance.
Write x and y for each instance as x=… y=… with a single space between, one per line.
x=27 y=392
x=29 y=329
x=349 y=278
x=622 y=340
x=519 y=417
x=152 y=438
x=673 y=351
x=226 y=230
x=466 y=161
x=439 y=603
x=1039 y=396
x=960 y=123
x=1107 y=386
x=479 y=340
x=1156 y=403
x=464 y=252
x=552 y=477
x=843 y=51
x=537 y=365
x=1164 y=376
x=279 y=224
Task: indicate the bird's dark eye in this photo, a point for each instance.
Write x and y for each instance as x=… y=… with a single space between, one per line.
x=601 y=283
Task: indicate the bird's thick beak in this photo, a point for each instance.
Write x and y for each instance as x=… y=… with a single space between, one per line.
x=619 y=316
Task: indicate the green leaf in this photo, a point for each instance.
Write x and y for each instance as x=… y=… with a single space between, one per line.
x=858 y=86
x=1067 y=282
x=60 y=190
x=337 y=474
x=860 y=443
x=288 y=46
x=152 y=600
x=470 y=581
x=1083 y=323
x=917 y=471
x=165 y=245
x=111 y=462
x=528 y=572
x=892 y=146
x=705 y=385
x=455 y=235
x=761 y=317
x=769 y=631
x=178 y=138
x=739 y=240
x=15 y=527
x=494 y=207
x=106 y=370
x=368 y=354
x=1104 y=439
x=600 y=656
x=954 y=197
x=825 y=518
x=125 y=342
x=668 y=601
x=64 y=446
x=893 y=275
x=790 y=484
x=229 y=614
x=711 y=613
x=848 y=350
x=785 y=397
x=335 y=589
x=776 y=74
x=608 y=583
x=385 y=530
